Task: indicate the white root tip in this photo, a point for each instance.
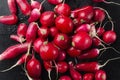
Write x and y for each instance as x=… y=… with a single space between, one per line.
x=49 y=71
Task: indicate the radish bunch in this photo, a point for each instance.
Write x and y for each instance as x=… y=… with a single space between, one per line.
x=58 y=37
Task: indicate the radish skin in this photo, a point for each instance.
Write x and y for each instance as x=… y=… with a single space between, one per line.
x=12 y=6
x=17 y=38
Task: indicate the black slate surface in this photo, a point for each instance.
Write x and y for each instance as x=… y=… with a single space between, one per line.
x=112 y=69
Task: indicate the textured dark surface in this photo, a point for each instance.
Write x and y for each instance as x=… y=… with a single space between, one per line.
x=112 y=69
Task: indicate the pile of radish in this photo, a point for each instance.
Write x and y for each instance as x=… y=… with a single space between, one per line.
x=65 y=40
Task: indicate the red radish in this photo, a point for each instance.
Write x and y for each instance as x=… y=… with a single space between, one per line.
x=62 y=67
x=34 y=68
x=82 y=41
x=55 y=2
x=86 y=14
x=24 y=7
x=83 y=27
x=92 y=66
x=109 y=37
x=100 y=31
x=65 y=77
x=62 y=9
x=48 y=52
x=22 y=29
x=62 y=41
x=73 y=52
x=106 y=2
x=64 y=24
x=100 y=75
x=96 y=42
x=34 y=16
x=12 y=6
x=13 y=51
x=53 y=31
x=92 y=53
x=61 y=56
x=74 y=13
x=9 y=19
x=48 y=67
x=31 y=32
x=77 y=22
x=36 y=5
x=47 y=18
x=37 y=43
x=17 y=38
x=99 y=15
x=23 y=59
x=88 y=76
x=43 y=32
x=74 y=74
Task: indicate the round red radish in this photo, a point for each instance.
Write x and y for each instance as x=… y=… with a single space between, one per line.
x=73 y=52
x=43 y=32
x=34 y=16
x=74 y=13
x=47 y=18
x=82 y=41
x=61 y=56
x=109 y=37
x=48 y=52
x=96 y=42
x=22 y=29
x=55 y=2
x=62 y=67
x=37 y=43
x=65 y=78
x=100 y=31
x=53 y=31
x=100 y=75
x=86 y=14
x=83 y=27
x=61 y=40
x=36 y=4
x=64 y=24
x=88 y=76
x=99 y=15
x=62 y=9
x=34 y=68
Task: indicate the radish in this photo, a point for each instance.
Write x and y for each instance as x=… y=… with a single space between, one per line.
x=82 y=41
x=13 y=51
x=24 y=7
x=106 y=2
x=77 y=22
x=48 y=52
x=34 y=68
x=96 y=42
x=62 y=41
x=100 y=31
x=31 y=32
x=99 y=15
x=73 y=52
x=35 y=5
x=62 y=67
x=48 y=67
x=65 y=77
x=109 y=37
x=53 y=31
x=12 y=6
x=22 y=29
x=43 y=32
x=34 y=16
x=74 y=13
x=64 y=24
x=74 y=74
x=37 y=43
x=100 y=75
x=17 y=38
x=86 y=14
x=9 y=19
x=92 y=66
x=55 y=2
x=24 y=58
x=62 y=9
x=61 y=56
x=47 y=18
x=83 y=27
x=88 y=76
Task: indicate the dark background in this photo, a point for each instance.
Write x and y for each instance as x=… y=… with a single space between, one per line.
x=112 y=69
